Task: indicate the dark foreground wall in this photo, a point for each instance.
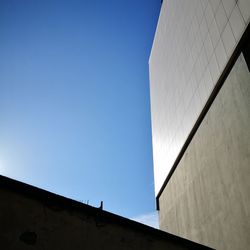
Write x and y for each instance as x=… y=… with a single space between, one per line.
x=207 y=199
x=31 y=218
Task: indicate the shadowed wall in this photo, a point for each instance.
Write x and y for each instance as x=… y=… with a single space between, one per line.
x=32 y=218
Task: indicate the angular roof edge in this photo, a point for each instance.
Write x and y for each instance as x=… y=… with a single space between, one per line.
x=51 y=199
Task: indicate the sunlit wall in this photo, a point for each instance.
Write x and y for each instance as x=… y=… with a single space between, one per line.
x=192 y=45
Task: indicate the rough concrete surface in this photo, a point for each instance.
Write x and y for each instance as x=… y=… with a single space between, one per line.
x=207 y=199
x=31 y=218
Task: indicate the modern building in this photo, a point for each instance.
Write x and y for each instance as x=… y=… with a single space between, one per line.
x=200 y=108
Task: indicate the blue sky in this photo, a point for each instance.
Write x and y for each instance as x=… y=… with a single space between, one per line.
x=74 y=99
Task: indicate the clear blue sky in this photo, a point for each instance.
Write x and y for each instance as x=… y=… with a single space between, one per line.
x=74 y=99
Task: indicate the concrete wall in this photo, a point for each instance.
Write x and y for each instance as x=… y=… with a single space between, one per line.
x=31 y=218
x=207 y=199
x=193 y=42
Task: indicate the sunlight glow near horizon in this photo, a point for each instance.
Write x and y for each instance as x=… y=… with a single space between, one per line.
x=2 y=166
x=74 y=99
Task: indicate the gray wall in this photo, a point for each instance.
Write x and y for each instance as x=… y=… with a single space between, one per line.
x=207 y=199
x=32 y=218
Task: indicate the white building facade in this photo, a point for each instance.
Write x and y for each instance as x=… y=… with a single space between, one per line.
x=198 y=60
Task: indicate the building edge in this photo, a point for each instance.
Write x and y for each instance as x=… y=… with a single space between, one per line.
x=243 y=47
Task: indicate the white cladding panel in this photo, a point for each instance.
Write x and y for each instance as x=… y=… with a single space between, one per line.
x=193 y=42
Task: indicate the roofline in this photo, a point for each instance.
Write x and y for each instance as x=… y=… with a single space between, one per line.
x=58 y=201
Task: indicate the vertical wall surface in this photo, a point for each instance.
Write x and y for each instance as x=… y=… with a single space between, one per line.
x=207 y=199
x=193 y=43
